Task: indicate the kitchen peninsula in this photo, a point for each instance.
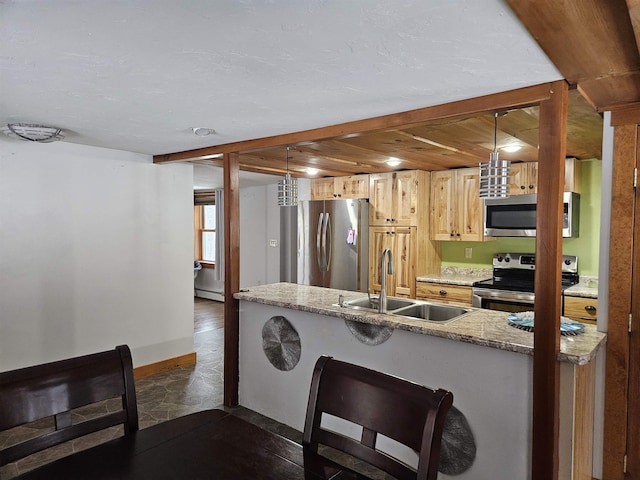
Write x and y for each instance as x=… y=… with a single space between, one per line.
x=486 y=363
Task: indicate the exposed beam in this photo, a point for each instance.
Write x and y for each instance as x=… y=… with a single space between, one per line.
x=548 y=284
x=591 y=42
x=511 y=99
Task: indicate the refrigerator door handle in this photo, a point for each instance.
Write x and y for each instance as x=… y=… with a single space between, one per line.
x=327 y=242
x=319 y=257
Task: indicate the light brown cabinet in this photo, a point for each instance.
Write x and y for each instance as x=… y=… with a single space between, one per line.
x=444 y=293
x=402 y=241
x=397 y=198
x=334 y=188
x=523 y=177
x=581 y=309
x=456 y=208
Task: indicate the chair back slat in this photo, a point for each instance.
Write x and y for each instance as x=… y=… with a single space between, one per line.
x=55 y=389
x=406 y=412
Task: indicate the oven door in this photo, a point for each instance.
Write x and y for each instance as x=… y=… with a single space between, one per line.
x=502 y=300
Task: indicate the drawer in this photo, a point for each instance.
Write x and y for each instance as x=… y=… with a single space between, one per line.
x=580 y=308
x=443 y=292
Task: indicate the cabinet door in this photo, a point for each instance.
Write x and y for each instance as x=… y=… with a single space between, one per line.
x=406 y=185
x=322 y=188
x=379 y=239
x=443 y=212
x=404 y=277
x=354 y=186
x=470 y=216
x=523 y=178
x=381 y=199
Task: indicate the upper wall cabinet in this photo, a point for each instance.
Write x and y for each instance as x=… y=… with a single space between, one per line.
x=523 y=177
x=395 y=198
x=456 y=207
x=334 y=188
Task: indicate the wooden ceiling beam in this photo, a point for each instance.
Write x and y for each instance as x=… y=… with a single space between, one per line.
x=592 y=43
x=514 y=98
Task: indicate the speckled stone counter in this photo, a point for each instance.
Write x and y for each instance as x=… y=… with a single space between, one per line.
x=586 y=288
x=481 y=327
x=457 y=276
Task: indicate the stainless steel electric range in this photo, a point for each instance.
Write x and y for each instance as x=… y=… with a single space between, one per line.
x=512 y=285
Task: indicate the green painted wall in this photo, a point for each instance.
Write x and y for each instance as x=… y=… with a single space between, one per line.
x=586 y=246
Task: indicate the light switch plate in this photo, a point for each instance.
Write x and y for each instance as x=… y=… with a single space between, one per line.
x=273 y=243
x=468 y=252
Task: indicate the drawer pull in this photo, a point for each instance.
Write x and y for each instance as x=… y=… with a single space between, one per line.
x=590 y=308
x=443 y=292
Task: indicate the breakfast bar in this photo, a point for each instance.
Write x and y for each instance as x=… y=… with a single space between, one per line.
x=483 y=360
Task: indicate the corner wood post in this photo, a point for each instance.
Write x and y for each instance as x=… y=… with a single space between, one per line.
x=231 y=276
x=548 y=283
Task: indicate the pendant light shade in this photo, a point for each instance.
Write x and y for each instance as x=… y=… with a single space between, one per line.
x=494 y=174
x=288 y=188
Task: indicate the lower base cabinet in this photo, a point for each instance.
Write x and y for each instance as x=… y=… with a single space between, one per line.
x=581 y=309
x=402 y=241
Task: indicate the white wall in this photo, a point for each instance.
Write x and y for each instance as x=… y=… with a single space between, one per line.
x=96 y=249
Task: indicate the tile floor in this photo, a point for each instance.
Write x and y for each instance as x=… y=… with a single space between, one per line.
x=175 y=393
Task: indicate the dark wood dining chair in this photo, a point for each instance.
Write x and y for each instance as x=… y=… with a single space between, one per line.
x=406 y=412
x=55 y=389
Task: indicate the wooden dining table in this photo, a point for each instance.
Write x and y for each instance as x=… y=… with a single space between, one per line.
x=210 y=444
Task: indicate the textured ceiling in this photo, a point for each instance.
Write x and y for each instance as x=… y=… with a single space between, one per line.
x=136 y=75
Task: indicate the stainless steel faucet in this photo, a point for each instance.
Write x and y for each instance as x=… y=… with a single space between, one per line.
x=387 y=257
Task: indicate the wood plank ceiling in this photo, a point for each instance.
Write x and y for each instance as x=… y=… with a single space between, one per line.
x=592 y=43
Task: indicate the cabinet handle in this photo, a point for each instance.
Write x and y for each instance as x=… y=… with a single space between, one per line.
x=458 y=234
x=388 y=219
x=451 y=234
x=590 y=308
x=531 y=187
x=522 y=187
x=339 y=195
x=335 y=195
x=443 y=292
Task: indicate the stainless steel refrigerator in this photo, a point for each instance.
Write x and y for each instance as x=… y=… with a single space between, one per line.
x=326 y=243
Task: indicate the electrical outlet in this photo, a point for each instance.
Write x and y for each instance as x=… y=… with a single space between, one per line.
x=468 y=252
x=273 y=243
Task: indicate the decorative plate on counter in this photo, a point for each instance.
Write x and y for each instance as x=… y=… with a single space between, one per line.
x=525 y=321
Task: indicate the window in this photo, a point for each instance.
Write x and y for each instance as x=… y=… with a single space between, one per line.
x=205 y=233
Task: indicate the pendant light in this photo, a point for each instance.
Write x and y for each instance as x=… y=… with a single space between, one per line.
x=494 y=174
x=288 y=188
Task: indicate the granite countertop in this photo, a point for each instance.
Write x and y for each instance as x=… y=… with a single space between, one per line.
x=457 y=276
x=587 y=288
x=482 y=327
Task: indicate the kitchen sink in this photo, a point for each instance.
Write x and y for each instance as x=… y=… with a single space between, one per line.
x=432 y=312
x=367 y=303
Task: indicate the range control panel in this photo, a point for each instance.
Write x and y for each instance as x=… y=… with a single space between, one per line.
x=527 y=261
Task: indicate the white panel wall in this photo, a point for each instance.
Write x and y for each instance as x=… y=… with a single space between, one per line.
x=96 y=250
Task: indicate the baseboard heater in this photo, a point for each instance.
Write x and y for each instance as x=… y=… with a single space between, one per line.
x=210 y=294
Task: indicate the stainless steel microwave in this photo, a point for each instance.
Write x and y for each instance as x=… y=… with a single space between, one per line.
x=515 y=216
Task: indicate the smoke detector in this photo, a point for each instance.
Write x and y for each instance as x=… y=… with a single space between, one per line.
x=32 y=133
